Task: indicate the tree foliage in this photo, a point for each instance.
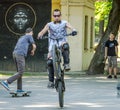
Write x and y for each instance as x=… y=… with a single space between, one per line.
x=102 y=10
x=96 y=65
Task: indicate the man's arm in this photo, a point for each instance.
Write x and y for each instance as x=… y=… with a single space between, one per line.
x=74 y=32
x=44 y=30
x=68 y=25
x=116 y=50
x=33 y=49
x=106 y=51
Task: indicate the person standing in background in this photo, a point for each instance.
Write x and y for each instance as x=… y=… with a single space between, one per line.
x=111 y=52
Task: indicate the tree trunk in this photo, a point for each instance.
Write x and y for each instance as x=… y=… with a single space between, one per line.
x=101 y=28
x=96 y=65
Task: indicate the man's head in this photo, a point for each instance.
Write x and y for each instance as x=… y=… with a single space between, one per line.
x=56 y=15
x=112 y=37
x=29 y=31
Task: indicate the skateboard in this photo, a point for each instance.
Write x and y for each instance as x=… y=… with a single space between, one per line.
x=20 y=94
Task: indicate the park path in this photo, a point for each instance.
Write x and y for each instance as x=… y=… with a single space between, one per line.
x=82 y=93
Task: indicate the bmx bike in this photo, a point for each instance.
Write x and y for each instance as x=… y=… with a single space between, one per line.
x=58 y=70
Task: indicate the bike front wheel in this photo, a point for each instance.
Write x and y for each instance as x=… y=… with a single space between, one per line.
x=56 y=61
x=60 y=94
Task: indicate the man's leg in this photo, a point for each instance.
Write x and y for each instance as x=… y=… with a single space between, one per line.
x=65 y=54
x=20 y=64
x=19 y=83
x=19 y=80
x=110 y=66
x=115 y=71
x=110 y=70
x=50 y=73
x=115 y=66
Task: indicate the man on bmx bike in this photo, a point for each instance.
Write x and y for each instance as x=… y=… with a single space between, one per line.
x=57 y=29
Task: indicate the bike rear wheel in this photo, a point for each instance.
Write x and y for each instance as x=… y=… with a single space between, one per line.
x=60 y=94
x=56 y=61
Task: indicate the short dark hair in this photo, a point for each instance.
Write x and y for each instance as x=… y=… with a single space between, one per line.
x=112 y=33
x=56 y=10
x=28 y=30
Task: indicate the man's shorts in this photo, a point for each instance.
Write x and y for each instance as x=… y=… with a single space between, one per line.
x=112 y=61
x=52 y=42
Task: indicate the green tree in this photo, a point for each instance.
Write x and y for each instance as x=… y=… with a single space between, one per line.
x=102 y=10
x=96 y=65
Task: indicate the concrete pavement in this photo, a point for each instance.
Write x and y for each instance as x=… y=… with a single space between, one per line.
x=82 y=93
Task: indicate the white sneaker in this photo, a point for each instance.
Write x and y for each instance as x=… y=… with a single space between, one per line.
x=67 y=67
x=50 y=84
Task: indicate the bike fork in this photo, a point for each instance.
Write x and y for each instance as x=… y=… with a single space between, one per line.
x=57 y=82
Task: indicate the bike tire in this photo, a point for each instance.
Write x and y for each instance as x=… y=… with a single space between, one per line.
x=56 y=64
x=60 y=94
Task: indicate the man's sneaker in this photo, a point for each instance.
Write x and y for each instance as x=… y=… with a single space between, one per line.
x=115 y=76
x=67 y=67
x=19 y=90
x=5 y=85
x=50 y=84
x=109 y=77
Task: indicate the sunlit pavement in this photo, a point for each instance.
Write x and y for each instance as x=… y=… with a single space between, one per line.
x=82 y=93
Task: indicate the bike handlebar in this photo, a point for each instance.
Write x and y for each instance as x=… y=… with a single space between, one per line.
x=45 y=37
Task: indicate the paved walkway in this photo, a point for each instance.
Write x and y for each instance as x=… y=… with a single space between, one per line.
x=82 y=93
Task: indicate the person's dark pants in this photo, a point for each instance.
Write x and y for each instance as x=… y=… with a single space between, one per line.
x=51 y=73
x=65 y=54
x=20 y=65
x=50 y=70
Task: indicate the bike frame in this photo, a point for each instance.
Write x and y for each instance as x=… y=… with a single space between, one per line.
x=58 y=50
